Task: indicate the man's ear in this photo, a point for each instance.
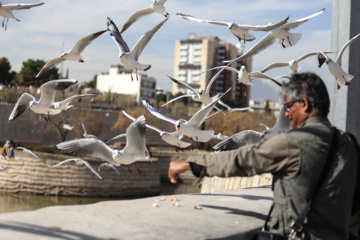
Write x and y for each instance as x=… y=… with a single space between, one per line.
x=306 y=105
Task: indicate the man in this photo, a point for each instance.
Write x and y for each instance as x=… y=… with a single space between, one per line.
x=296 y=159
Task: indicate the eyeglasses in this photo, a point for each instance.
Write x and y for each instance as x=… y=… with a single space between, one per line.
x=288 y=105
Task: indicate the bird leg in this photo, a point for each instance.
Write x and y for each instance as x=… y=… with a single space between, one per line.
x=282 y=43
x=197 y=141
x=176 y=149
x=137 y=168
x=137 y=79
x=180 y=147
x=166 y=14
x=3 y=22
x=289 y=40
x=131 y=71
x=80 y=60
x=7 y=21
x=128 y=169
x=191 y=144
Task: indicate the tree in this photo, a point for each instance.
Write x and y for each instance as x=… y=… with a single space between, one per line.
x=6 y=76
x=30 y=68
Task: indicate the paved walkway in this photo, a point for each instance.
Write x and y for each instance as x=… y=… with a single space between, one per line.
x=228 y=215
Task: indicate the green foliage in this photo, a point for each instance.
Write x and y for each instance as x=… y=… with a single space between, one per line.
x=90 y=84
x=6 y=76
x=30 y=68
x=8 y=95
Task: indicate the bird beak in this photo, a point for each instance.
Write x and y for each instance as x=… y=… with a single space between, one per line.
x=178 y=127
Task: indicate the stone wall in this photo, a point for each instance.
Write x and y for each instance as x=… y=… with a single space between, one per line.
x=26 y=174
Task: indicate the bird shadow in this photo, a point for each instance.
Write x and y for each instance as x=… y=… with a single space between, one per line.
x=238 y=211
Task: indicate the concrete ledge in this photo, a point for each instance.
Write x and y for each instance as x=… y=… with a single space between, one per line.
x=227 y=215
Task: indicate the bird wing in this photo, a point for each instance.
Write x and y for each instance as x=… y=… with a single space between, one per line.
x=225 y=105
x=48 y=89
x=147 y=125
x=241 y=139
x=75 y=97
x=262 y=75
x=298 y=22
x=116 y=36
x=282 y=123
x=258 y=47
x=82 y=43
x=207 y=90
x=338 y=58
x=28 y=151
x=144 y=40
x=275 y=65
x=174 y=99
x=156 y=112
x=184 y=84
x=21 y=105
x=50 y=64
x=267 y=27
x=136 y=16
x=116 y=137
x=199 y=117
x=135 y=137
x=162 y=2
x=83 y=127
x=109 y=165
x=87 y=164
x=194 y=19
x=20 y=6
x=321 y=56
x=87 y=147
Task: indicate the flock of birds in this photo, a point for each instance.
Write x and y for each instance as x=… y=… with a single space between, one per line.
x=185 y=132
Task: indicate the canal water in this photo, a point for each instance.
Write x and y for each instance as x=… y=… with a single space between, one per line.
x=14 y=202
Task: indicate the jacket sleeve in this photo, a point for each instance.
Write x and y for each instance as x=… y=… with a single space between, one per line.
x=277 y=154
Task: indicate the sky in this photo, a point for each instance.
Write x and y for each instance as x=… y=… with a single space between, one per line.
x=48 y=30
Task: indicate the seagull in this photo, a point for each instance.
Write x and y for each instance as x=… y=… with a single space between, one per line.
x=3 y=168
x=249 y=137
x=239 y=31
x=64 y=105
x=73 y=54
x=188 y=128
x=5 y=11
x=156 y=6
x=67 y=127
x=108 y=165
x=86 y=135
x=335 y=67
x=127 y=57
x=28 y=151
x=220 y=136
x=200 y=96
x=293 y=64
x=45 y=104
x=133 y=151
x=282 y=33
x=82 y=161
x=230 y=109
x=173 y=138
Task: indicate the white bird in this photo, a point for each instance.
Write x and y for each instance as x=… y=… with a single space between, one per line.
x=230 y=109
x=156 y=6
x=5 y=11
x=200 y=96
x=108 y=165
x=45 y=104
x=282 y=33
x=87 y=164
x=220 y=136
x=65 y=104
x=27 y=151
x=335 y=67
x=68 y=127
x=127 y=57
x=74 y=54
x=282 y=124
x=134 y=150
x=173 y=138
x=3 y=168
x=189 y=128
x=293 y=63
x=86 y=135
x=240 y=31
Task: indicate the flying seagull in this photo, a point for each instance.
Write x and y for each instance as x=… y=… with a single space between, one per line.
x=134 y=150
x=86 y=135
x=173 y=138
x=27 y=151
x=108 y=165
x=293 y=63
x=156 y=6
x=335 y=67
x=73 y=54
x=189 y=128
x=282 y=33
x=127 y=57
x=5 y=11
x=45 y=104
x=239 y=31
x=87 y=164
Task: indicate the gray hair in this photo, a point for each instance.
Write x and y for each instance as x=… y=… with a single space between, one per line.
x=310 y=86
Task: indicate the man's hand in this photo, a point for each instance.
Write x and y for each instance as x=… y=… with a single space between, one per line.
x=176 y=168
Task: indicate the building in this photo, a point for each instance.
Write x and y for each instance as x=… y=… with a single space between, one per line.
x=196 y=55
x=118 y=80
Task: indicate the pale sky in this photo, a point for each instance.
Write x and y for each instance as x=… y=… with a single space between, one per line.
x=46 y=31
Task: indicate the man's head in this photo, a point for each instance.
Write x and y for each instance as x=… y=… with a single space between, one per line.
x=305 y=96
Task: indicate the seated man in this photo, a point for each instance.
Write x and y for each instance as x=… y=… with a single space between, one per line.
x=296 y=159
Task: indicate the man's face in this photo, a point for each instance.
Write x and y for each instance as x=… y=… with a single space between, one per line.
x=296 y=113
